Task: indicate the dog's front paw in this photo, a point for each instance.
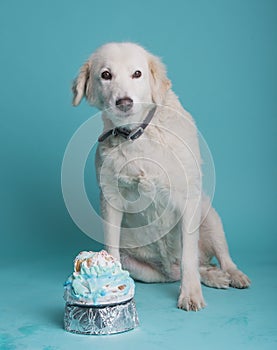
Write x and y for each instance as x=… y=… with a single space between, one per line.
x=238 y=279
x=191 y=302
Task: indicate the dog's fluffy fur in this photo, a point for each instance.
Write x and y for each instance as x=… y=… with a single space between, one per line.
x=156 y=176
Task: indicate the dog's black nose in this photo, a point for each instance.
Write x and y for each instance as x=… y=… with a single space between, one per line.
x=124 y=104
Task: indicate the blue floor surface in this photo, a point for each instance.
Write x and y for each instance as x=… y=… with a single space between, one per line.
x=31 y=314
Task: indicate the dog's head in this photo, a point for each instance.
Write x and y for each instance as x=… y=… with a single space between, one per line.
x=121 y=78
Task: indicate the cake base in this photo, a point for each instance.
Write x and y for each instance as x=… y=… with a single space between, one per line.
x=108 y=319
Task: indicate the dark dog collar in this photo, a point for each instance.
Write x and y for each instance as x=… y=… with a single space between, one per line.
x=132 y=134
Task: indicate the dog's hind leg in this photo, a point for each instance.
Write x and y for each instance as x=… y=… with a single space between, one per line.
x=214 y=277
x=142 y=271
x=213 y=243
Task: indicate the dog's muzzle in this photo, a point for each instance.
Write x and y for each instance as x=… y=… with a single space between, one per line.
x=124 y=104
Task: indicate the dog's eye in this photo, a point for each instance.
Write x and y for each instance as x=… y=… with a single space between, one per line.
x=106 y=75
x=137 y=74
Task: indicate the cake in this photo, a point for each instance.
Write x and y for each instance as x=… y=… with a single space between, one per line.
x=99 y=296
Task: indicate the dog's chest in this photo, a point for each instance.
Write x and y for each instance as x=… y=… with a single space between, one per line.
x=135 y=174
x=134 y=170
x=139 y=162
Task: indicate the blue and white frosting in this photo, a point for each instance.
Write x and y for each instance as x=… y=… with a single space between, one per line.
x=98 y=279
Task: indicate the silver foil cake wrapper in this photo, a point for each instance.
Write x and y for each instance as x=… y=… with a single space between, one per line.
x=108 y=319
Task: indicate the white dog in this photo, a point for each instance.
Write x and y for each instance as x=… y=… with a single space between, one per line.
x=156 y=220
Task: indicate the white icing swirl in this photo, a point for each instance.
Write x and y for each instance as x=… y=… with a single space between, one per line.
x=98 y=279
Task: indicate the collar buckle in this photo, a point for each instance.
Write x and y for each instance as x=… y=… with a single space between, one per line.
x=135 y=133
x=114 y=132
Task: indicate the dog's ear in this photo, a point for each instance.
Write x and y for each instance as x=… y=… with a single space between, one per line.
x=79 y=86
x=159 y=82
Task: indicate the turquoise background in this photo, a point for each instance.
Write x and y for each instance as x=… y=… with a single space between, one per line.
x=221 y=57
